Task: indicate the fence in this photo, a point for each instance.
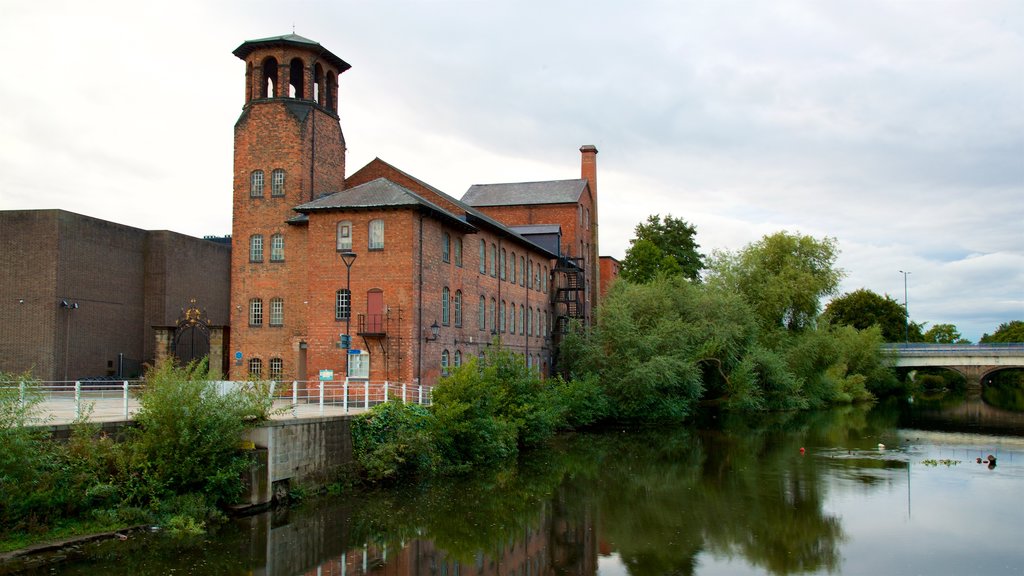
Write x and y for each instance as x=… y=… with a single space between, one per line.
x=64 y=402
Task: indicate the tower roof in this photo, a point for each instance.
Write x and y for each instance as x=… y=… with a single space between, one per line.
x=292 y=40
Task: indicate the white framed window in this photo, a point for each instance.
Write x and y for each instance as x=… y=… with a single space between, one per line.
x=344 y=235
x=446 y=248
x=458 y=308
x=255 y=368
x=376 y=235
x=342 y=304
x=277 y=182
x=277 y=248
x=359 y=365
x=256 y=184
x=276 y=368
x=256 y=248
x=255 y=312
x=445 y=305
x=277 y=312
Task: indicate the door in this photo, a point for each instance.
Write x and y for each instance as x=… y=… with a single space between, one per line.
x=375 y=311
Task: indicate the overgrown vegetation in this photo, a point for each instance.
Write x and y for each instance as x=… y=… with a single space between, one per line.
x=177 y=467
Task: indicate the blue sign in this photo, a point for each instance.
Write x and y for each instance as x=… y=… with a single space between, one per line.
x=354 y=351
x=238 y=355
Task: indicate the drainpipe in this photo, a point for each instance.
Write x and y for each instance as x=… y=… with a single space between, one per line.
x=419 y=314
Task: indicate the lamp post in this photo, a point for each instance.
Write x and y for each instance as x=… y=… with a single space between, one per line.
x=69 y=306
x=906 y=310
x=348 y=257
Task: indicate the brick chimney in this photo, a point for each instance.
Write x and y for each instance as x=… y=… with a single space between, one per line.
x=588 y=171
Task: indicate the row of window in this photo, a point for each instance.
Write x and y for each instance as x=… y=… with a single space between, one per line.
x=276 y=316
x=276 y=248
x=498 y=266
x=533 y=322
x=256 y=181
x=275 y=368
x=374 y=235
x=450 y=361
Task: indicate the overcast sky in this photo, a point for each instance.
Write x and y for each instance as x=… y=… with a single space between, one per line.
x=896 y=127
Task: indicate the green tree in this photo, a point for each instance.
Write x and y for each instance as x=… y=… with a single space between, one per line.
x=944 y=334
x=783 y=277
x=862 y=309
x=664 y=247
x=1012 y=331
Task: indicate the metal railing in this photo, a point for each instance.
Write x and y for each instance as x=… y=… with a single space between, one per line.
x=929 y=349
x=65 y=402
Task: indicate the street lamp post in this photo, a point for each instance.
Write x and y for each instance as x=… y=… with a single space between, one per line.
x=348 y=257
x=906 y=310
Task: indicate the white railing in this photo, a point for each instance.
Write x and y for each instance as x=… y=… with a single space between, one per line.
x=64 y=402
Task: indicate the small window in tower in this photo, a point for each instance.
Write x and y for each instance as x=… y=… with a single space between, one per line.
x=277 y=182
x=344 y=235
x=256 y=184
x=256 y=248
x=277 y=248
x=277 y=312
x=376 y=235
x=318 y=83
x=255 y=312
x=296 y=79
x=269 y=77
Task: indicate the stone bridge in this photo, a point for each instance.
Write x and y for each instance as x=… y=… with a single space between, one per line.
x=974 y=361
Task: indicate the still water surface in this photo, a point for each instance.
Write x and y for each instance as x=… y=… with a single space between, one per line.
x=891 y=490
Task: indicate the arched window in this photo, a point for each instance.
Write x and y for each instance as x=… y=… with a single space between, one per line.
x=513 y=260
x=494 y=316
x=342 y=304
x=256 y=184
x=256 y=248
x=501 y=325
x=587 y=219
x=458 y=308
x=376 y=235
x=494 y=260
x=296 y=79
x=458 y=358
x=276 y=366
x=444 y=363
x=255 y=368
x=269 y=88
x=277 y=312
x=522 y=270
x=504 y=264
x=331 y=81
x=482 y=313
x=255 y=312
x=458 y=252
x=512 y=316
x=277 y=182
x=446 y=247
x=277 y=248
x=344 y=235
x=529 y=273
x=544 y=280
x=483 y=257
x=445 y=310
x=318 y=84
x=522 y=320
x=529 y=321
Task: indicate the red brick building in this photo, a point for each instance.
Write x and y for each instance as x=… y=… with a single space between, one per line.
x=419 y=280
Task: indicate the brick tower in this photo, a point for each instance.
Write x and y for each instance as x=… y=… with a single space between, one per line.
x=289 y=149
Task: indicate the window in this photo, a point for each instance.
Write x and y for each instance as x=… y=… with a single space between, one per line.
x=586 y=217
x=512 y=317
x=445 y=310
x=376 y=235
x=344 y=235
x=501 y=325
x=458 y=358
x=255 y=368
x=359 y=365
x=504 y=264
x=255 y=312
x=256 y=248
x=458 y=252
x=446 y=248
x=529 y=272
x=494 y=316
x=276 y=366
x=277 y=311
x=544 y=280
x=483 y=257
x=256 y=184
x=522 y=270
x=529 y=322
x=482 y=314
x=494 y=260
x=277 y=182
x=277 y=248
x=522 y=320
x=544 y=325
x=444 y=363
x=458 y=308
x=342 y=304
x=513 y=279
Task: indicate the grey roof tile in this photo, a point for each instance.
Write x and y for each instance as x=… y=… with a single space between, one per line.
x=514 y=194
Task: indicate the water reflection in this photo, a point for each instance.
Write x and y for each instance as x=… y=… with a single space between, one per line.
x=809 y=493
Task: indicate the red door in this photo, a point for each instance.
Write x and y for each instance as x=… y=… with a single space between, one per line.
x=375 y=311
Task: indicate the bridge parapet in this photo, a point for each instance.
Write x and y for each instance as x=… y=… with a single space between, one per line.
x=974 y=361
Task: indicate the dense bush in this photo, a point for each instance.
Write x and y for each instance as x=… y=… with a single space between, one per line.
x=393 y=442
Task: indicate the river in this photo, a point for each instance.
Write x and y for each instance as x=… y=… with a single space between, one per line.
x=896 y=489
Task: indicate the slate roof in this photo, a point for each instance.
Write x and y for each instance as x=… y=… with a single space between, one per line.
x=380 y=193
x=537 y=229
x=515 y=194
x=248 y=46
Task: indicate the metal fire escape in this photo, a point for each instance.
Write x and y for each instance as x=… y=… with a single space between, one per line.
x=570 y=283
